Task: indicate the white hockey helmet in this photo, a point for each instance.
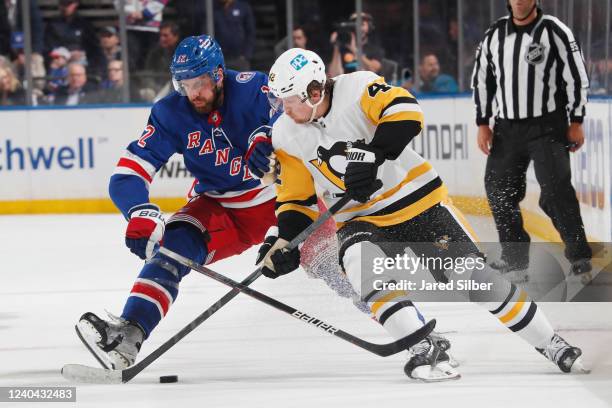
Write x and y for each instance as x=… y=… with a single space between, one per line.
x=293 y=71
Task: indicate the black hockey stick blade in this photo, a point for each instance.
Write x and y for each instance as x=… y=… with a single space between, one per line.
x=382 y=350
x=87 y=374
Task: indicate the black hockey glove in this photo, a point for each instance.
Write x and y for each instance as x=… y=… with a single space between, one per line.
x=276 y=260
x=360 y=175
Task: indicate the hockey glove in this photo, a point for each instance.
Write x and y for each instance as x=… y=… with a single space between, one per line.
x=360 y=175
x=260 y=155
x=145 y=229
x=276 y=260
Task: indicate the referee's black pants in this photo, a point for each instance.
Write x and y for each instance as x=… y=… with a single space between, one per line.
x=515 y=144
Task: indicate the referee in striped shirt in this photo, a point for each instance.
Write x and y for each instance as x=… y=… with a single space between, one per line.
x=530 y=77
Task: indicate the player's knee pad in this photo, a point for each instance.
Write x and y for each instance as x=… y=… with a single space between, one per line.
x=359 y=262
x=185 y=240
x=358 y=254
x=354 y=233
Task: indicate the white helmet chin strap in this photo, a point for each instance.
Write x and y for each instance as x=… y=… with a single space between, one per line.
x=314 y=107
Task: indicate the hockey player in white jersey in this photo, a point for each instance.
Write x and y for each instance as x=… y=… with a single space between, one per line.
x=346 y=135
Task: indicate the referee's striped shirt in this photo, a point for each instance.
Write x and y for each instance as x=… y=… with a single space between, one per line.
x=529 y=73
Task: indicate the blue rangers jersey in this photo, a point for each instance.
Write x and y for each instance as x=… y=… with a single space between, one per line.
x=213 y=146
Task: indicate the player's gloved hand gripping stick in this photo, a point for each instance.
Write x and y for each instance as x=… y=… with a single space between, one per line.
x=145 y=230
x=82 y=373
x=362 y=166
x=382 y=350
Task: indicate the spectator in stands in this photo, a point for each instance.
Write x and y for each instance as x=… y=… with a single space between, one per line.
x=143 y=20
x=14 y=15
x=109 y=42
x=300 y=40
x=58 y=69
x=15 y=22
x=159 y=58
x=191 y=17
x=73 y=32
x=5 y=30
x=598 y=70
x=78 y=90
x=111 y=49
x=11 y=91
x=5 y=62
x=431 y=80
x=110 y=89
x=432 y=25
x=115 y=75
x=37 y=66
x=344 y=55
x=449 y=58
x=235 y=32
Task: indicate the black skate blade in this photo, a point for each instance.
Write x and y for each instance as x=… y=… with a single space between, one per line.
x=91 y=349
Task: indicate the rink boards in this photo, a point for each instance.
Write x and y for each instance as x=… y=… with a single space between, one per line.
x=60 y=160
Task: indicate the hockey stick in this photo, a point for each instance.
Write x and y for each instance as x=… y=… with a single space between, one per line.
x=382 y=350
x=83 y=373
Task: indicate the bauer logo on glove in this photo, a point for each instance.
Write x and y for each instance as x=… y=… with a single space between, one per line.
x=145 y=230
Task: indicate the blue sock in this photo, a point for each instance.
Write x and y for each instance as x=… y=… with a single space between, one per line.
x=158 y=282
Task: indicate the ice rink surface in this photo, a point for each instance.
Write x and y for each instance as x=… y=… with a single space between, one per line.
x=54 y=268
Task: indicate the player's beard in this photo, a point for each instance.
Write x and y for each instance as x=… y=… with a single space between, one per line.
x=209 y=106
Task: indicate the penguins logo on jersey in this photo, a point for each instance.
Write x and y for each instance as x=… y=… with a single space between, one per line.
x=332 y=163
x=535 y=53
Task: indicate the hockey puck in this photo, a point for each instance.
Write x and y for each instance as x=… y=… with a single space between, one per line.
x=168 y=379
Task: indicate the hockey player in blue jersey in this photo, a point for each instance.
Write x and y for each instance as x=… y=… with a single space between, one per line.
x=208 y=119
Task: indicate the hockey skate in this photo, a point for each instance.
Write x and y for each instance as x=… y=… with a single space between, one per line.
x=435 y=336
x=511 y=273
x=114 y=343
x=564 y=355
x=428 y=361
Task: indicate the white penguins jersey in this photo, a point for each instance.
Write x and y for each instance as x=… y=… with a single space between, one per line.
x=314 y=153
